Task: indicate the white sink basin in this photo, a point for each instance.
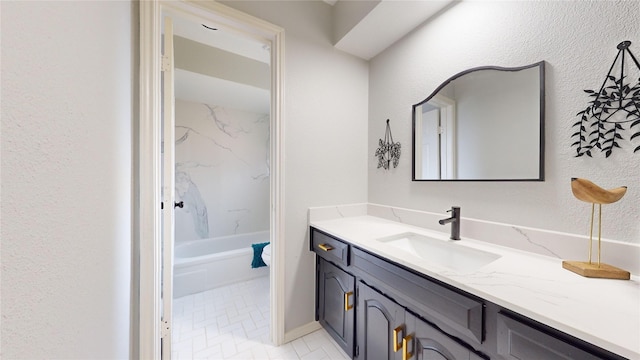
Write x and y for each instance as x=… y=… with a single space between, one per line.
x=444 y=253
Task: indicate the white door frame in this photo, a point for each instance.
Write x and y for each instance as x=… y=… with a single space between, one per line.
x=149 y=174
x=168 y=183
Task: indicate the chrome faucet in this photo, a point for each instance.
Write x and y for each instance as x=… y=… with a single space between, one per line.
x=455 y=222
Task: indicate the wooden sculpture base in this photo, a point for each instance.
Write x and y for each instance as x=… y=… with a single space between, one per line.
x=592 y=270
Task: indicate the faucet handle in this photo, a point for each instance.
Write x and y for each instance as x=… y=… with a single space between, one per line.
x=455 y=211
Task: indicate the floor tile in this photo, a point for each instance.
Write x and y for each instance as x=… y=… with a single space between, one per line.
x=232 y=322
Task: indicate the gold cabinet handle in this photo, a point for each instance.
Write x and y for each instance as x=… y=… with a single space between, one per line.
x=397 y=344
x=347 y=307
x=406 y=355
x=325 y=247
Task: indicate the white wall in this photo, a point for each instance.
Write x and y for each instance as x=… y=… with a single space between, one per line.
x=67 y=90
x=578 y=40
x=325 y=119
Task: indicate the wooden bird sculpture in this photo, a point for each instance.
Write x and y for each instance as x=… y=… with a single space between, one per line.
x=587 y=191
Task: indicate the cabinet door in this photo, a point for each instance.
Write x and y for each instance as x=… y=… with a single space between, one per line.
x=379 y=319
x=424 y=342
x=336 y=304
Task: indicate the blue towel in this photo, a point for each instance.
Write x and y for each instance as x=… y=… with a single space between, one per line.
x=257 y=255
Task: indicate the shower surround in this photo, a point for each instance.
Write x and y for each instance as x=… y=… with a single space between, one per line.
x=222 y=171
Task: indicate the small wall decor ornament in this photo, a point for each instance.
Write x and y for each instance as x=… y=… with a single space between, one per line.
x=587 y=191
x=611 y=109
x=388 y=151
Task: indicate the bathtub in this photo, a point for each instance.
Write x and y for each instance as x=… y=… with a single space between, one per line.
x=200 y=265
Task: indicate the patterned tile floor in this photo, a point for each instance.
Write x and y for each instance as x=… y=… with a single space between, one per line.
x=232 y=322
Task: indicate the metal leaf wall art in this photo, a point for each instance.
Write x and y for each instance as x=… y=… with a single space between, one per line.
x=388 y=152
x=612 y=110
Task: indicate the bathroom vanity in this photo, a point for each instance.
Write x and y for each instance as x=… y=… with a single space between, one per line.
x=381 y=296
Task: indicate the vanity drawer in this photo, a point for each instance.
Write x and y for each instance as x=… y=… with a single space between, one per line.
x=329 y=248
x=523 y=339
x=517 y=340
x=453 y=311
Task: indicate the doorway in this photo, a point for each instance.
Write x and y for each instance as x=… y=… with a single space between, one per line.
x=156 y=262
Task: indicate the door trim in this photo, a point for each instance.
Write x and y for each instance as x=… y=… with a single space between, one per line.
x=168 y=159
x=149 y=157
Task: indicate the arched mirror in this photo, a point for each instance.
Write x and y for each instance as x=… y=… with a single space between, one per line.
x=483 y=124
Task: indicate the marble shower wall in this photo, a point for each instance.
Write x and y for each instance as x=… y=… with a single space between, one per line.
x=222 y=171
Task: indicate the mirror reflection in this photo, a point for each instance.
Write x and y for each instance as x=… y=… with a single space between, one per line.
x=483 y=124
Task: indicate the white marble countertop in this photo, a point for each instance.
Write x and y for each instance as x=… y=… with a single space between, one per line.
x=603 y=312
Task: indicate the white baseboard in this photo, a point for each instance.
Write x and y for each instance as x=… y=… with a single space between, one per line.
x=301 y=331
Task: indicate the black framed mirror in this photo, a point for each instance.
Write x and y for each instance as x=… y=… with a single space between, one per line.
x=482 y=124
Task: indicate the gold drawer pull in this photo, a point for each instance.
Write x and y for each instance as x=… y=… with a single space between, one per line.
x=347 y=307
x=406 y=355
x=325 y=247
x=397 y=344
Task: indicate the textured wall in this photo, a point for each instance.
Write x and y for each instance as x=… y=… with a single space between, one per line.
x=66 y=179
x=325 y=119
x=222 y=171
x=578 y=41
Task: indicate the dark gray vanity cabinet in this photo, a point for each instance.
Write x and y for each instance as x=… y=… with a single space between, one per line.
x=381 y=326
x=335 y=304
x=402 y=314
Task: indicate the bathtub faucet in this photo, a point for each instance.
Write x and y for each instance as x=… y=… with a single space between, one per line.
x=455 y=222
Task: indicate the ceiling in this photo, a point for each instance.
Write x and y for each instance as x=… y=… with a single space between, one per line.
x=373 y=25
x=229 y=89
x=362 y=28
